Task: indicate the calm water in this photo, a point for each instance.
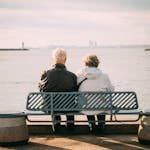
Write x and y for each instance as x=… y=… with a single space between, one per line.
x=128 y=68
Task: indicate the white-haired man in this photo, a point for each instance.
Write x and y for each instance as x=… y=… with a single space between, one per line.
x=58 y=78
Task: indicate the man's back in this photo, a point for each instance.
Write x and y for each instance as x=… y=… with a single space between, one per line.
x=58 y=79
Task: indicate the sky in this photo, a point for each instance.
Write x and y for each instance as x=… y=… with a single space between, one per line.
x=74 y=22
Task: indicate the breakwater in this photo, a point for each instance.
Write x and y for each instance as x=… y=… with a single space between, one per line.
x=14 y=49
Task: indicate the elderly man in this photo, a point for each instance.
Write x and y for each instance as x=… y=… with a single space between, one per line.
x=58 y=78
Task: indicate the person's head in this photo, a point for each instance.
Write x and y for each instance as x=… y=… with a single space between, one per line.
x=91 y=61
x=59 y=56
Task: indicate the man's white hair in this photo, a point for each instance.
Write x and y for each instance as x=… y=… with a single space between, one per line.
x=59 y=55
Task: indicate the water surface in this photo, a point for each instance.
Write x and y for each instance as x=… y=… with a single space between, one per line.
x=128 y=69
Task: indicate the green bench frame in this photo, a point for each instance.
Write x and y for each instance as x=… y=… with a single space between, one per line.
x=83 y=103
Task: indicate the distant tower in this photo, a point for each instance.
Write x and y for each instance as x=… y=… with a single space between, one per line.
x=22 y=45
x=90 y=43
x=95 y=44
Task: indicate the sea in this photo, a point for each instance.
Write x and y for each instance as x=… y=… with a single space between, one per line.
x=128 y=68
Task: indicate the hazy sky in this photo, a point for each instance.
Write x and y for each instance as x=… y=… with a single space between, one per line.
x=74 y=22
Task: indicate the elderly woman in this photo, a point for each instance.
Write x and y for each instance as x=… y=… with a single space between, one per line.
x=91 y=78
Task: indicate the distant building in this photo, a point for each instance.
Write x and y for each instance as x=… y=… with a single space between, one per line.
x=93 y=44
x=22 y=45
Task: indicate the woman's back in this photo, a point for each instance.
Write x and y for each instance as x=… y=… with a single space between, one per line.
x=96 y=80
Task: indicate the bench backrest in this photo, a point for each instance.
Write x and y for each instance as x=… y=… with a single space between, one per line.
x=78 y=101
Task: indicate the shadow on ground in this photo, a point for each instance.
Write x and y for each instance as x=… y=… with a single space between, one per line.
x=113 y=142
x=81 y=142
x=32 y=146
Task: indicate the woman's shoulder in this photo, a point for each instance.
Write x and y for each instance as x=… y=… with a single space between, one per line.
x=105 y=75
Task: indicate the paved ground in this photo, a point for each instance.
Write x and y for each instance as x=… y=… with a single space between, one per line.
x=81 y=142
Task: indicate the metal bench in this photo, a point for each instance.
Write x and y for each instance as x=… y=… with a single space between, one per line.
x=83 y=103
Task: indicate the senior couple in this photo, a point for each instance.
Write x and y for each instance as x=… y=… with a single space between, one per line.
x=90 y=78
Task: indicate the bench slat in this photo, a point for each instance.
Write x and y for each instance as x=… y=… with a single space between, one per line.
x=79 y=101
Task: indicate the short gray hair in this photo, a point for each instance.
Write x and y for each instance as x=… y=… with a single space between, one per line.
x=59 y=54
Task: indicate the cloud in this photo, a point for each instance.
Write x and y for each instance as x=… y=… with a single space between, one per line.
x=62 y=18
x=74 y=21
x=85 y=5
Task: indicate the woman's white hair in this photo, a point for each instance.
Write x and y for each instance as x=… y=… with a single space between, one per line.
x=59 y=55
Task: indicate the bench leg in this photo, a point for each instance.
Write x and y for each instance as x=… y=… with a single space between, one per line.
x=53 y=122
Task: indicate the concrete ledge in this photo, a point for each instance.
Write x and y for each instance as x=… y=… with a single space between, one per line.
x=84 y=129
